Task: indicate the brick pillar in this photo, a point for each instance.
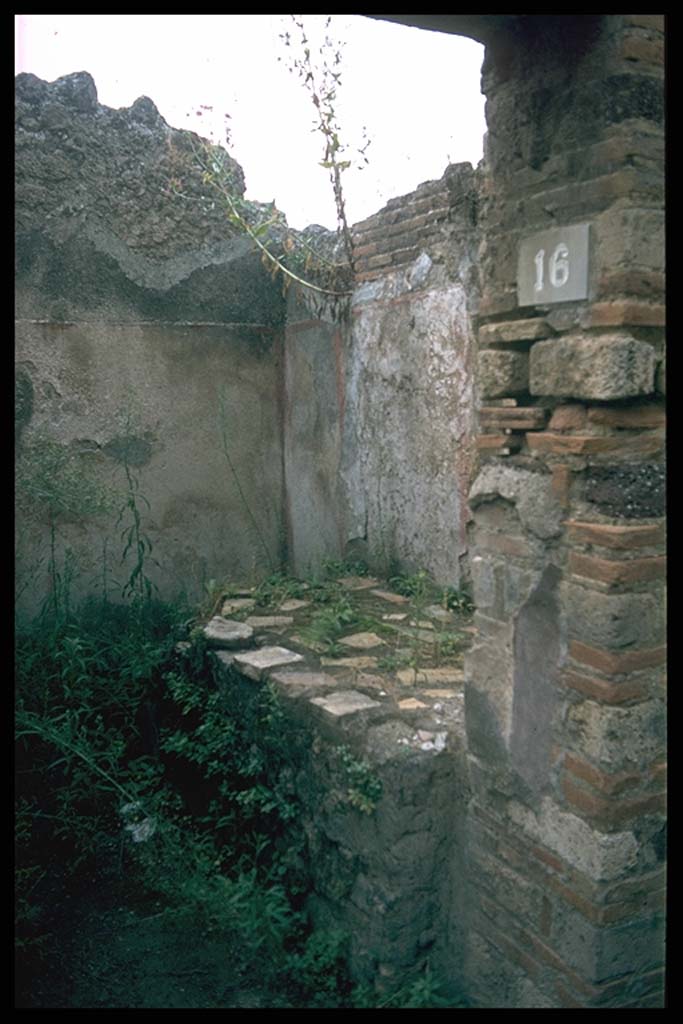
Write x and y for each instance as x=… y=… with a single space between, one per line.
x=564 y=686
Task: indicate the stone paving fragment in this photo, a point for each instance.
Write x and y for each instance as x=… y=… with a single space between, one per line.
x=410 y=703
x=437 y=612
x=302 y=684
x=439 y=694
x=237 y=604
x=411 y=676
x=265 y=621
x=293 y=605
x=254 y=663
x=395 y=617
x=362 y=661
x=345 y=702
x=222 y=632
x=357 y=582
x=388 y=595
x=362 y=641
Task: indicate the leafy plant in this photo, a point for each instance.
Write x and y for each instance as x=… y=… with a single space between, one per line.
x=457 y=601
x=138 y=584
x=363 y=787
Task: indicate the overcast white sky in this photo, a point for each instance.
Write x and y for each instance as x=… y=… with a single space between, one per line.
x=417 y=92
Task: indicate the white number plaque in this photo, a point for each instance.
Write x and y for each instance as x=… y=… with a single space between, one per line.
x=553 y=266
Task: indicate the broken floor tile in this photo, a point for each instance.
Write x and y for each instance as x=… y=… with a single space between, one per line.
x=301 y=684
x=293 y=605
x=410 y=703
x=411 y=676
x=345 y=702
x=362 y=661
x=395 y=617
x=357 y=582
x=222 y=632
x=264 y=621
x=362 y=641
x=437 y=612
x=237 y=604
x=254 y=663
x=388 y=595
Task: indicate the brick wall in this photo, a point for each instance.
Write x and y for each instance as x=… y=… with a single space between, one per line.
x=565 y=685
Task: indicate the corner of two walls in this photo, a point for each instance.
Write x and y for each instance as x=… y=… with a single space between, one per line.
x=380 y=409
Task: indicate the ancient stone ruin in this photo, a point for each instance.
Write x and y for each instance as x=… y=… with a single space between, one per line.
x=490 y=409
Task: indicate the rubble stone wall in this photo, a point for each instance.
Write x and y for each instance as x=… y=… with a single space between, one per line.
x=139 y=317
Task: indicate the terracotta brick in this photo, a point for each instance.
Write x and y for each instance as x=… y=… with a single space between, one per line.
x=585 y=195
x=623 y=312
x=634 y=888
x=365 y=250
x=519 y=418
x=513 y=952
x=616 y=663
x=639 y=48
x=515 y=330
x=609 y=785
x=560 y=484
x=605 y=570
x=610 y=812
x=585 y=907
x=549 y=859
x=381 y=260
x=620 y=538
x=600 y=690
x=545 y=953
x=639 y=417
x=495 y=442
x=568 y=417
x=638 y=283
x=503 y=544
x=574 y=444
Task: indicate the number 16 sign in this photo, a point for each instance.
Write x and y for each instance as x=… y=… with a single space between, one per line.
x=553 y=266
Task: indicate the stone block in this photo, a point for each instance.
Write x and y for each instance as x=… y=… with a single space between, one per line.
x=237 y=604
x=530 y=492
x=603 y=857
x=627 y=492
x=617 y=572
x=224 y=633
x=255 y=663
x=604 y=368
x=503 y=373
x=613 y=620
x=618 y=738
x=362 y=641
x=345 y=702
x=269 y=621
x=634 y=237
